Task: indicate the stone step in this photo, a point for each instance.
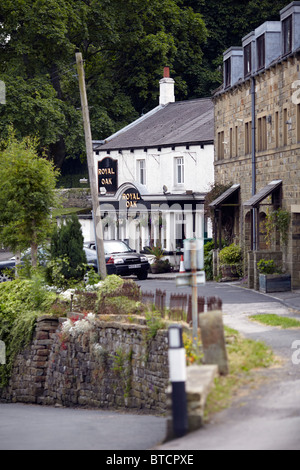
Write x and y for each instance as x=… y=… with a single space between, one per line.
x=200 y=380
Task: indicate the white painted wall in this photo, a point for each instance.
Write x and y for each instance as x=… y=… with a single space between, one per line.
x=160 y=167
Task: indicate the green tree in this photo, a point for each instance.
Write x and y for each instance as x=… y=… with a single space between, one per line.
x=67 y=249
x=27 y=194
x=125 y=44
x=227 y=22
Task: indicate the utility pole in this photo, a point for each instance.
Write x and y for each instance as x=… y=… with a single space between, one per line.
x=91 y=169
x=194 y=291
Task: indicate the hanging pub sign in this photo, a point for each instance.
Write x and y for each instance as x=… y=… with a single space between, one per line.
x=131 y=197
x=108 y=175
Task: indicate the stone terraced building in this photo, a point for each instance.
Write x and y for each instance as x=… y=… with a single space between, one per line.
x=257 y=142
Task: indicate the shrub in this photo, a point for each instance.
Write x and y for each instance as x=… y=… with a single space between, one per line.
x=267 y=267
x=231 y=254
x=156 y=251
x=118 y=296
x=68 y=259
x=208 y=259
x=21 y=302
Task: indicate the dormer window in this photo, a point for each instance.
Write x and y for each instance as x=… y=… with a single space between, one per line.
x=247 y=60
x=261 y=56
x=227 y=72
x=287 y=35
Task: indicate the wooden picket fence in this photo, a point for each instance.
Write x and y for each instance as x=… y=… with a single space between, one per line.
x=180 y=305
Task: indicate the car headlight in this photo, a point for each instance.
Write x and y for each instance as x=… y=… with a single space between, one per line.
x=118 y=261
x=144 y=259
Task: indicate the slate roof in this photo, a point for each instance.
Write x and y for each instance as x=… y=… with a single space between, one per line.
x=182 y=122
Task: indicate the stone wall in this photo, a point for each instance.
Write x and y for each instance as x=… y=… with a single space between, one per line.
x=114 y=365
x=76 y=197
x=31 y=366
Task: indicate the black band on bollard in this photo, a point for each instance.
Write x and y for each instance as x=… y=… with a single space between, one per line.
x=179 y=409
x=177 y=369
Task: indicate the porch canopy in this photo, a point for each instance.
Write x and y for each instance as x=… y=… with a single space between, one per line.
x=274 y=189
x=230 y=198
x=221 y=200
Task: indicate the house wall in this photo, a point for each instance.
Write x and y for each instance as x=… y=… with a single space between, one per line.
x=179 y=219
x=160 y=167
x=278 y=101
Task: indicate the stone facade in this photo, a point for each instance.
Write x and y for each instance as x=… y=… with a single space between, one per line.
x=275 y=155
x=274 y=90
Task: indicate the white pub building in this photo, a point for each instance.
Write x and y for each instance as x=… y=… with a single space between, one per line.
x=154 y=173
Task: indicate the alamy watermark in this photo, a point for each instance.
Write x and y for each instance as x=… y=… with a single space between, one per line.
x=296 y=353
x=2 y=92
x=296 y=94
x=2 y=353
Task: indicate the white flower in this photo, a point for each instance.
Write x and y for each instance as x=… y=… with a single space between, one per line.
x=93 y=287
x=67 y=326
x=66 y=295
x=79 y=326
x=91 y=317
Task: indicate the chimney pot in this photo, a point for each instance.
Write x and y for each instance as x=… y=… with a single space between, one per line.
x=166 y=85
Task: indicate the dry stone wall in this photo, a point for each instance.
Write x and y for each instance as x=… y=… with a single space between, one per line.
x=112 y=365
x=28 y=378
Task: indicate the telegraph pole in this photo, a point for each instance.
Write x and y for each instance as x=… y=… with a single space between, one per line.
x=91 y=169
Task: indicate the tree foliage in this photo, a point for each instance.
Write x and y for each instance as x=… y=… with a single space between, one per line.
x=227 y=22
x=67 y=249
x=27 y=194
x=125 y=45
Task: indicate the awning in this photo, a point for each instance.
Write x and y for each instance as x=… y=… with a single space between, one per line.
x=225 y=196
x=270 y=188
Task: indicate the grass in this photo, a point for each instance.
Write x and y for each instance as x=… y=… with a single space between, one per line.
x=245 y=356
x=272 y=319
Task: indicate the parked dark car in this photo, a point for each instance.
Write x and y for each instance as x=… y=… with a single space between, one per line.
x=120 y=259
x=5 y=268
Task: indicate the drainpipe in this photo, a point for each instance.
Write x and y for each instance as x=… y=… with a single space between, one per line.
x=254 y=237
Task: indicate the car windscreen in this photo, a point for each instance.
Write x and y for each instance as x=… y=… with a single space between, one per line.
x=116 y=247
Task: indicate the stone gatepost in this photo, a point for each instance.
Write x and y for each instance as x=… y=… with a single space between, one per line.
x=213 y=340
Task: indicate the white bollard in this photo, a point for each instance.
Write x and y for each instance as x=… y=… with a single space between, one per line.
x=177 y=374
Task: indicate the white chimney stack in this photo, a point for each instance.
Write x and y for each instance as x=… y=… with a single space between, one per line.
x=166 y=88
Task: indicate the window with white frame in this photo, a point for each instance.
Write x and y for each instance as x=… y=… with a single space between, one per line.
x=141 y=171
x=179 y=170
